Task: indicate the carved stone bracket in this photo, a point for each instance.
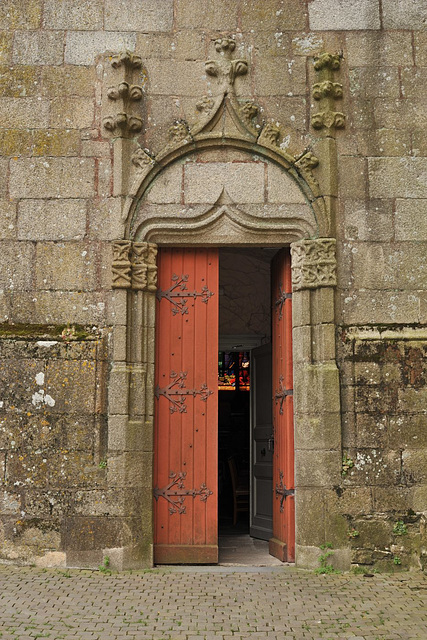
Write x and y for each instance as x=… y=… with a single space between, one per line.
x=123 y=94
x=313 y=264
x=134 y=265
x=326 y=92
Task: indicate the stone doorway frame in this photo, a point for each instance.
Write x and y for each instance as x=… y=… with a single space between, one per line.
x=317 y=417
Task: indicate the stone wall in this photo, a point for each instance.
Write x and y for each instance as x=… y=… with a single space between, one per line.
x=66 y=174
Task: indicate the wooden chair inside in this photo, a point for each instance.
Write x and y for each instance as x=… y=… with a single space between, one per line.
x=240 y=488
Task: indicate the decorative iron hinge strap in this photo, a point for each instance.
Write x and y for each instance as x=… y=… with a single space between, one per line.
x=176 y=392
x=283 y=296
x=282 y=491
x=175 y=492
x=178 y=294
x=281 y=394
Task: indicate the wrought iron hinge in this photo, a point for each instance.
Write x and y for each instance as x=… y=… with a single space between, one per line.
x=281 y=394
x=178 y=294
x=283 y=296
x=175 y=492
x=282 y=491
x=176 y=392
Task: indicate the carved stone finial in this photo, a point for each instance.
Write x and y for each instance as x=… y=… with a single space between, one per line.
x=225 y=68
x=330 y=60
x=313 y=264
x=127 y=59
x=225 y=45
x=326 y=92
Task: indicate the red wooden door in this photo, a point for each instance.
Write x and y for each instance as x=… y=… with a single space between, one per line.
x=186 y=407
x=282 y=544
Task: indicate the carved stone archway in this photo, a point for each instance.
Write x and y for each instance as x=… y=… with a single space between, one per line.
x=227 y=124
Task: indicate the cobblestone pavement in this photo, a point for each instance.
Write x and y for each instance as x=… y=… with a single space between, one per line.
x=210 y=603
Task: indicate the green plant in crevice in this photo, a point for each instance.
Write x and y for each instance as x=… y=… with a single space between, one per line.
x=102 y=464
x=400 y=528
x=105 y=566
x=347 y=464
x=325 y=566
x=353 y=533
x=397 y=561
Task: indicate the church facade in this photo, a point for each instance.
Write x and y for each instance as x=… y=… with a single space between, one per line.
x=213 y=240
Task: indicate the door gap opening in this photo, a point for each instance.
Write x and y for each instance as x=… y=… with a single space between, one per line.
x=244 y=325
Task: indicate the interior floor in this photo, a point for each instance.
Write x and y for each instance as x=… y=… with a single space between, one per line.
x=242 y=550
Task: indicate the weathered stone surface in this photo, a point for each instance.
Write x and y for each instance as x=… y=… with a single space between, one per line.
x=218 y=15
x=38 y=47
x=24 y=112
x=243 y=182
x=66 y=14
x=274 y=16
x=51 y=220
x=282 y=188
x=380 y=307
x=398 y=14
x=138 y=15
x=82 y=47
x=379 y=48
x=16 y=270
x=6 y=43
x=66 y=265
x=76 y=113
x=354 y=14
x=52 y=177
x=399 y=178
x=21 y=14
x=67 y=80
x=7 y=220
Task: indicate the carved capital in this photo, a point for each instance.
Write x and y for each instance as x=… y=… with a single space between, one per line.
x=151 y=266
x=134 y=265
x=313 y=264
x=121 y=264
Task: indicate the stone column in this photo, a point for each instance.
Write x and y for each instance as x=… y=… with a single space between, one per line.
x=318 y=456
x=131 y=394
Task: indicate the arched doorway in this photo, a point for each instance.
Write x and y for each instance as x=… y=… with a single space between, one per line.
x=177 y=205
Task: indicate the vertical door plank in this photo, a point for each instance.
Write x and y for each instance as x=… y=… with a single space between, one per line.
x=282 y=544
x=186 y=422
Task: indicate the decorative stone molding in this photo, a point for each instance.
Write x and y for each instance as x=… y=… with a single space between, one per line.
x=134 y=265
x=141 y=158
x=224 y=120
x=325 y=60
x=328 y=119
x=226 y=69
x=270 y=135
x=326 y=91
x=123 y=94
x=305 y=164
x=313 y=264
x=121 y=264
x=127 y=59
x=179 y=131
